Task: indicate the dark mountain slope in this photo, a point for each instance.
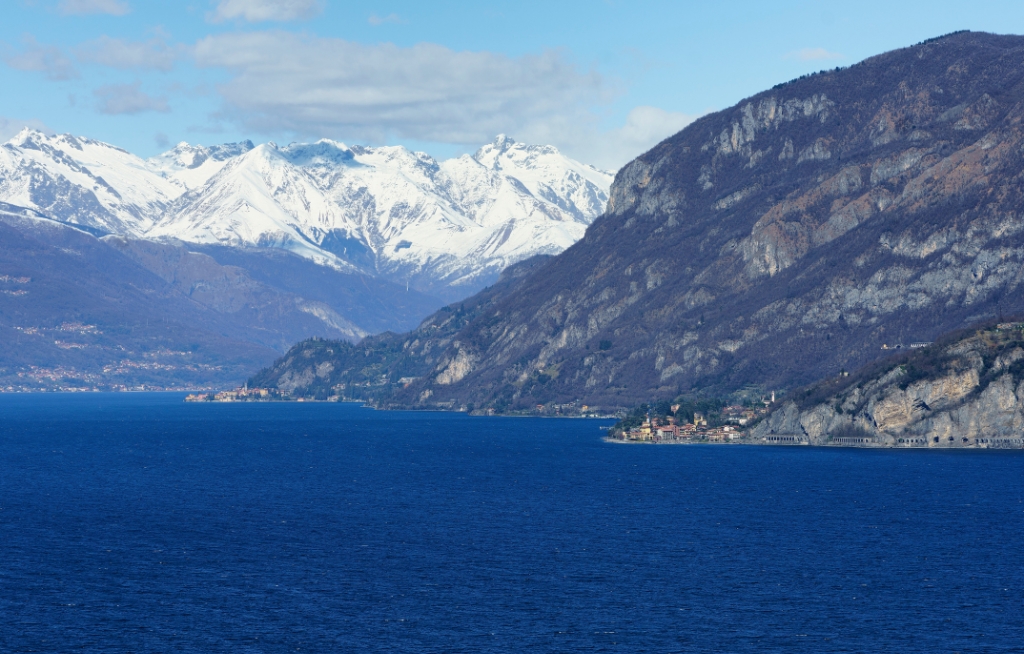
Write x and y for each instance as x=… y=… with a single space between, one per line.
x=279 y=295
x=775 y=242
x=76 y=313
x=82 y=311
x=373 y=304
x=377 y=366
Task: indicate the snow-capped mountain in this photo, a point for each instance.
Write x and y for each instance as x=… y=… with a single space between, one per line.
x=190 y=166
x=393 y=212
x=548 y=174
x=83 y=182
x=444 y=227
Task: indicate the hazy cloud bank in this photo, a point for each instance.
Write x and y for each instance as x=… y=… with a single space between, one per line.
x=46 y=59
x=154 y=54
x=85 y=7
x=118 y=99
x=317 y=87
x=256 y=11
x=284 y=83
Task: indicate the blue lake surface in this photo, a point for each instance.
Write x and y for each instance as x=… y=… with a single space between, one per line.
x=141 y=523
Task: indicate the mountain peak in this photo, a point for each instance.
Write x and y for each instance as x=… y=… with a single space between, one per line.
x=27 y=132
x=324 y=152
x=27 y=135
x=190 y=166
x=500 y=145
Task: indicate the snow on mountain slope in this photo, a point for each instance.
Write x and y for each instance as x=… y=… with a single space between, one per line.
x=254 y=201
x=548 y=174
x=190 y=166
x=445 y=228
x=396 y=213
x=82 y=182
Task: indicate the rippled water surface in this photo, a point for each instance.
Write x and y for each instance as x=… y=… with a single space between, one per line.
x=140 y=523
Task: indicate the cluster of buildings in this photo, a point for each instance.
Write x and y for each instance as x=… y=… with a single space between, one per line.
x=651 y=430
x=901 y=346
x=667 y=430
x=18 y=292
x=563 y=409
x=68 y=379
x=244 y=394
x=741 y=415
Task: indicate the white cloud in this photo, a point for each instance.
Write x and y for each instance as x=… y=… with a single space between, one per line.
x=11 y=126
x=155 y=53
x=308 y=87
x=46 y=59
x=256 y=11
x=376 y=20
x=312 y=87
x=813 y=54
x=80 y=7
x=644 y=128
x=128 y=99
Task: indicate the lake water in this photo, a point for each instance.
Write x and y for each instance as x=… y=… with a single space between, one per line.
x=141 y=523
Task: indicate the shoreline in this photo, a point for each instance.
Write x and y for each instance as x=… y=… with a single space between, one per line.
x=872 y=446
x=364 y=403
x=233 y=397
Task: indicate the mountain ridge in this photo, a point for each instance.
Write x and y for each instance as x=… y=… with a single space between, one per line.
x=772 y=243
x=446 y=228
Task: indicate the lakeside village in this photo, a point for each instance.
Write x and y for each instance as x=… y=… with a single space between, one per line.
x=728 y=426
x=243 y=394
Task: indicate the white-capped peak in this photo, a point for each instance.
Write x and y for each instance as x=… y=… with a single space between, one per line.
x=26 y=135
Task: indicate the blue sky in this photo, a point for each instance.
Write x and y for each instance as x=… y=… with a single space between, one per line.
x=603 y=80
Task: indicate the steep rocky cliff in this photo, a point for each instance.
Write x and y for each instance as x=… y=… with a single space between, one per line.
x=966 y=391
x=773 y=243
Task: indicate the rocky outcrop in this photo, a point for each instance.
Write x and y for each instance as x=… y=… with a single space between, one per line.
x=965 y=392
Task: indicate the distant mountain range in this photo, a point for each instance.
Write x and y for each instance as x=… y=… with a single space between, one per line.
x=445 y=228
x=233 y=252
x=766 y=246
